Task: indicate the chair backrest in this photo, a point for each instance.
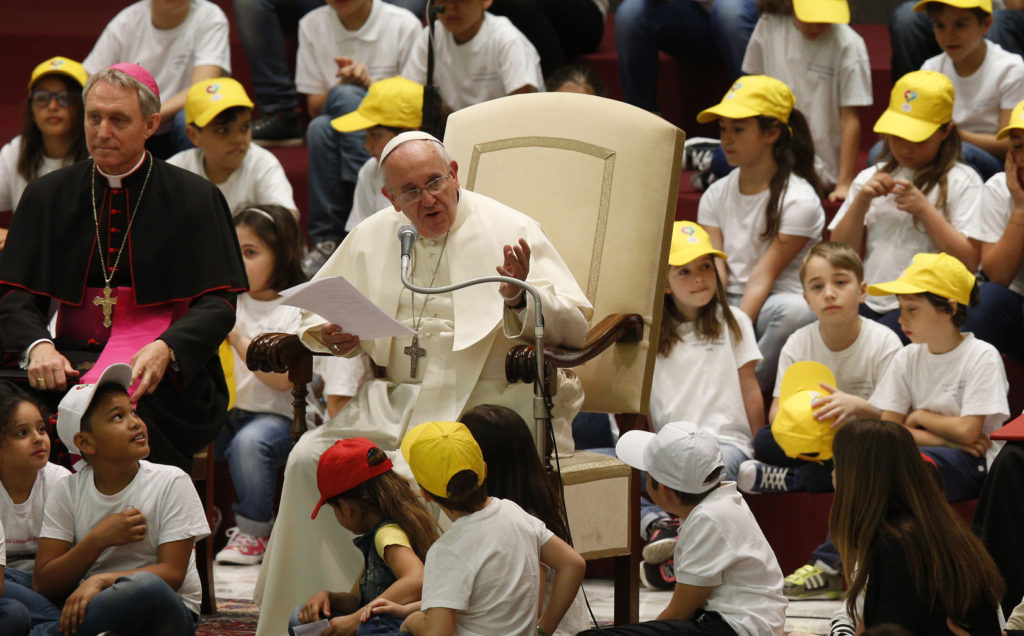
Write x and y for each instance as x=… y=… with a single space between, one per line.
x=602 y=177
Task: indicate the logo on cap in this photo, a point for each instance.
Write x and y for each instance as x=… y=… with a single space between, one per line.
x=909 y=96
x=732 y=91
x=212 y=88
x=56 y=63
x=688 y=231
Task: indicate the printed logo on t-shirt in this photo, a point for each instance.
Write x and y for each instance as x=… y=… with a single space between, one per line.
x=909 y=96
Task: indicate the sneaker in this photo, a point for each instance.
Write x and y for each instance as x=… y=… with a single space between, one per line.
x=698 y=151
x=316 y=257
x=662 y=543
x=660 y=576
x=700 y=181
x=755 y=476
x=812 y=582
x=242 y=548
x=281 y=128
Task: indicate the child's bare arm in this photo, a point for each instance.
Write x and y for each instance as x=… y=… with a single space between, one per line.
x=988 y=142
x=1002 y=259
x=773 y=410
x=946 y=237
x=849 y=131
x=568 y=568
x=753 y=400
x=686 y=599
x=436 y=621
x=841 y=406
x=783 y=249
x=408 y=570
x=960 y=430
x=851 y=229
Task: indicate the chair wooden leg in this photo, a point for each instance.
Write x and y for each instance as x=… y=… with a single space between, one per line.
x=627 y=567
x=204 y=547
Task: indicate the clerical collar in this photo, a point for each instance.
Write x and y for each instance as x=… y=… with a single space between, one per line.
x=114 y=180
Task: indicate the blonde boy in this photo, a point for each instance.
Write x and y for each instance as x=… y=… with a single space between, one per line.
x=218 y=114
x=481 y=587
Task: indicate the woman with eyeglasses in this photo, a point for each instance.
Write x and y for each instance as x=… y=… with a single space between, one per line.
x=52 y=134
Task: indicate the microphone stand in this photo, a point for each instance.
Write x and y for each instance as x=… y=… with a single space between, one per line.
x=544 y=431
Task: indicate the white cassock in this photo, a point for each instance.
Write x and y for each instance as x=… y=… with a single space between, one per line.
x=463 y=367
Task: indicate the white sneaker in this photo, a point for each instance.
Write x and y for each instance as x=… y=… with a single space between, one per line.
x=242 y=548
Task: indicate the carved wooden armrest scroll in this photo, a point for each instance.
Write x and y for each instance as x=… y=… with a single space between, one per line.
x=285 y=353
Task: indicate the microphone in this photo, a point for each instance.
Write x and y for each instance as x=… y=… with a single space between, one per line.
x=407 y=235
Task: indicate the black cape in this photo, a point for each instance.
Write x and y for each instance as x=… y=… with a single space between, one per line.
x=181 y=247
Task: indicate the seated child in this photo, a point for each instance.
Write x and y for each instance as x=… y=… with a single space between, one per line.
x=478 y=56
x=472 y=586
x=391 y=106
x=947 y=387
x=727 y=578
x=393 y=530
x=117 y=538
x=27 y=479
x=218 y=114
x=988 y=80
x=182 y=43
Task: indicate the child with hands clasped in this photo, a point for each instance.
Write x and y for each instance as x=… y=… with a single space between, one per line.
x=767 y=214
x=920 y=198
x=117 y=537
x=948 y=388
x=727 y=579
x=483 y=575
x=392 y=528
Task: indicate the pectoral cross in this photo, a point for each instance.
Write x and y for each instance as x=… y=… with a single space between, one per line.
x=108 y=305
x=414 y=351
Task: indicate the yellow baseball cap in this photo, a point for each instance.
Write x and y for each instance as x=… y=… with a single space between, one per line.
x=437 y=451
x=59 y=66
x=940 y=274
x=920 y=102
x=750 y=96
x=1016 y=122
x=394 y=102
x=689 y=242
x=795 y=430
x=209 y=98
x=984 y=5
x=822 y=11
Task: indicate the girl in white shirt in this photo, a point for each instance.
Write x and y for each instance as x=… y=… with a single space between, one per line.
x=767 y=213
x=52 y=131
x=920 y=198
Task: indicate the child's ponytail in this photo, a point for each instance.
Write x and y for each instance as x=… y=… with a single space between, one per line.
x=793 y=152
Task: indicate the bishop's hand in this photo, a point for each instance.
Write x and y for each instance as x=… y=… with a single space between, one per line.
x=148 y=367
x=48 y=370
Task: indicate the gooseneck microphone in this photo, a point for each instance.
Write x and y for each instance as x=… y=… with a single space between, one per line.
x=407 y=236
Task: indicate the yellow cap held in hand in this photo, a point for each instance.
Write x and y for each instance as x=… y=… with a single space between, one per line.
x=795 y=430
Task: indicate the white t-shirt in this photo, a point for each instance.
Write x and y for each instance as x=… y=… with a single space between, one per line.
x=741 y=217
x=382 y=44
x=12 y=184
x=892 y=236
x=721 y=546
x=367 y=198
x=163 y=494
x=3 y=549
x=857 y=368
x=993 y=216
x=698 y=381
x=824 y=74
x=259 y=180
x=486 y=567
x=997 y=85
x=496 y=61
x=969 y=380
x=23 y=521
x=171 y=55
x=342 y=376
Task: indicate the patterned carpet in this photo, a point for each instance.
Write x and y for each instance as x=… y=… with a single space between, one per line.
x=234 y=618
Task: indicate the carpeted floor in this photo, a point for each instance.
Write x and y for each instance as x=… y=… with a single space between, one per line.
x=233 y=618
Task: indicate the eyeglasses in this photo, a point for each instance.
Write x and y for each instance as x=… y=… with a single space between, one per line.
x=41 y=99
x=412 y=195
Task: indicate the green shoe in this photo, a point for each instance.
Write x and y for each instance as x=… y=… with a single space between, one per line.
x=812 y=582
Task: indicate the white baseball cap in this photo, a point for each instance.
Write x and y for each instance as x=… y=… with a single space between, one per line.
x=680 y=456
x=76 y=401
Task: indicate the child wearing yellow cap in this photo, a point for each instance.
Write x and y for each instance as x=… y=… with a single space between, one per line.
x=919 y=197
x=52 y=132
x=947 y=387
x=809 y=45
x=218 y=118
x=988 y=80
x=767 y=213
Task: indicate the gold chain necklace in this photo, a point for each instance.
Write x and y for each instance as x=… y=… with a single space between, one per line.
x=414 y=351
x=106 y=301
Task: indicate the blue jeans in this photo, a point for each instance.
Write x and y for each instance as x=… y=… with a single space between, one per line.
x=256 y=446
x=683 y=30
x=14 y=618
x=382 y=624
x=810 y=476
x=334 y=162
x=962 y=474
x=18 y=588
x=998 y=319
x=781 y=314
x=137 y=603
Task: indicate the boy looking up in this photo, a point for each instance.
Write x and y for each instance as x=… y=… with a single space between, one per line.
x=481 y=587
x=121 y=520
x=218 y=114
x=727 y=578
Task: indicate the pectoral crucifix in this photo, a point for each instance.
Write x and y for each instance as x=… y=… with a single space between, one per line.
x=108 y=306
x=414 y=351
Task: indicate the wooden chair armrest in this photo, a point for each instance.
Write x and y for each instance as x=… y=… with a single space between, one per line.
x=285 y=353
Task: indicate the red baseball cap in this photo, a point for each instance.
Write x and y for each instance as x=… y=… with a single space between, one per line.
x=344 y=466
